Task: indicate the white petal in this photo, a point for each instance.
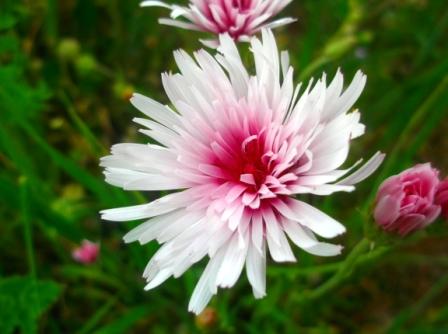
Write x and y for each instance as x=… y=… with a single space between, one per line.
x=256 y=269
x=154 y=3
x=279 y=23
x=158 y=207
x=206 y=287
x=134 y=180
x=179 y=24
x=297 y=234
x=257 y=230
x=272 y=224
x=365 y=171
x=340 y=105
x=233 y=262
x=151 y=229
x=177 y=226
x=324 y=249
x=280 y=251
x=155 y=110
x=161 y=277
x=316 y=220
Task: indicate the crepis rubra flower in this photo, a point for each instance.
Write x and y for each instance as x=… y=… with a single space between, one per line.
x=442 y=197
x=239 y=18
x=405 y=202
x=87 y=253
x=240 y=147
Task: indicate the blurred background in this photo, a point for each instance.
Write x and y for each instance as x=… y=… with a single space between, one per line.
x=67 y=70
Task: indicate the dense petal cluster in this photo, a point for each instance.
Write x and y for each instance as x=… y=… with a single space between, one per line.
x=238 y=148
x=238 y=18
x=405 y=202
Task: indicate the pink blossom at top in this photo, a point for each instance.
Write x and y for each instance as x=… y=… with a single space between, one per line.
x=442 y=197
x=239 y=18
x=236 y=148
x=87 y=253
x=405 y=202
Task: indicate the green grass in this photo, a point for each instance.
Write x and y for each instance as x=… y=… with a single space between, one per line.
x=61 y=112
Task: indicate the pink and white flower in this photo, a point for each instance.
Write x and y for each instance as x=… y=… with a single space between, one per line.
x=87 y=253
x=405 y=202
x=239 y=18
x=238 y=147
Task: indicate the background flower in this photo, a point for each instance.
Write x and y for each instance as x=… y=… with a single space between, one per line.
x=405 y=202
x=240 y=19
x=242 y=146
x=87 y=253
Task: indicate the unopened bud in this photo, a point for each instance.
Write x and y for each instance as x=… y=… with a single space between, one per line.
x=207 y=319
x=68 y=49
x=85 y=64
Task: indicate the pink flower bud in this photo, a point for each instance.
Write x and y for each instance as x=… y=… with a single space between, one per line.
x=442 y=197
x=87 y=253
x=405 y=202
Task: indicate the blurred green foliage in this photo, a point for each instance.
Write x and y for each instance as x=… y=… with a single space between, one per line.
x=23 y=301
x=67 y=69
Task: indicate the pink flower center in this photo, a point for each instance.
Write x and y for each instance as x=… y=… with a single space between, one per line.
x=243 y=5
x=228 y=16
x=252 y=164
x=258 y=167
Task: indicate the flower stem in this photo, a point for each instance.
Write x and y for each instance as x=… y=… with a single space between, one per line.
x=305 y=271
x=27 y=226
x=345 y=269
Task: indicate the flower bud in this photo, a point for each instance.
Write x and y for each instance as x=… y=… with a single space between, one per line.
x=405 y=202
x=207 y=318
x=85 y=64
x=123 y=91
x=68 y=49
x=87 y=253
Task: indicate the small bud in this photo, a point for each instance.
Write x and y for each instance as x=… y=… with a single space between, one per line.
x=123 y=91
x=207 y=318
x=68 y=49
x=87 y=253
x=85 y=64
x=57 y=123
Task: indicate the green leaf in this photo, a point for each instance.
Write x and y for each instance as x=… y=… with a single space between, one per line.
x=23 y=301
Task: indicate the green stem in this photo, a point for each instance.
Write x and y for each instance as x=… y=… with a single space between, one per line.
x=345 y=269
x=96 y=146
x=28 y=233
x=310 y=270
x=28 y=236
